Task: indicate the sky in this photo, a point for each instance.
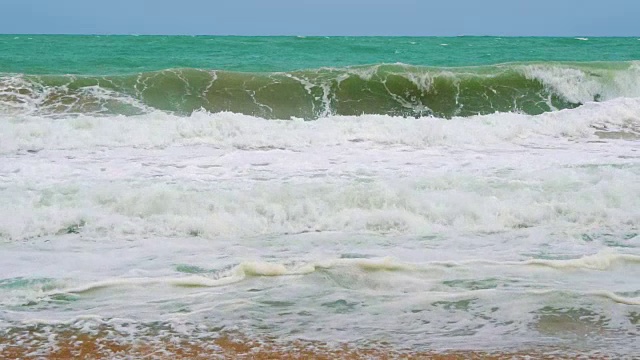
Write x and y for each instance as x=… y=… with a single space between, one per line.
x=327 y=17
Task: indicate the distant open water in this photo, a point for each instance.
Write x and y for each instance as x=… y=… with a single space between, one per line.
x=473 y=193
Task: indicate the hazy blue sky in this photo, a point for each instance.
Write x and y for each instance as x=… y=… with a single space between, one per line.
x=328 y=17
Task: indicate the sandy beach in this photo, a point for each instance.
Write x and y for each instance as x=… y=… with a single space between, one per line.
x=228 y=347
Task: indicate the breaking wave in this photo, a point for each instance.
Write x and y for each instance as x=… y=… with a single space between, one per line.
x=384 y=89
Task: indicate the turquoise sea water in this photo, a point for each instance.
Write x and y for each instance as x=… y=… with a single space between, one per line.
x=295 y=77
x=108 y=55
x=474 y=193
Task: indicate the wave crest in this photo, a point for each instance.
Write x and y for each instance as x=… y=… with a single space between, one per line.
x=385 y=89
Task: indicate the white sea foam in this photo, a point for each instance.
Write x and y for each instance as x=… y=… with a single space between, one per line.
x=228 y=174
x=22 y=96
x=600 y=261
x=227 y=130
x=437 y=203
x=584 y=84
x=617 y=298
x=379 y=273
x=187 y=281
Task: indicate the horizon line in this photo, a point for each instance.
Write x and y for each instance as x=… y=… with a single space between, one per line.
x=307 y=35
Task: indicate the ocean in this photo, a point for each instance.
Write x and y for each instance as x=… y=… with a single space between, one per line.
x=167 y=196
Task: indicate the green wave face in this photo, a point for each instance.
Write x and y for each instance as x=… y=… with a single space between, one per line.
x=398 y=90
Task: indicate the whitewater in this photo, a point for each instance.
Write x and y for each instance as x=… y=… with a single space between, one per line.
x=485 y=208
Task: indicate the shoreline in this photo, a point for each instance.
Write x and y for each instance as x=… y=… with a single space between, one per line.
x=68 y=346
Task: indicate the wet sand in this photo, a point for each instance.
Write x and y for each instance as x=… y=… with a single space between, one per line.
x=235 y=347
